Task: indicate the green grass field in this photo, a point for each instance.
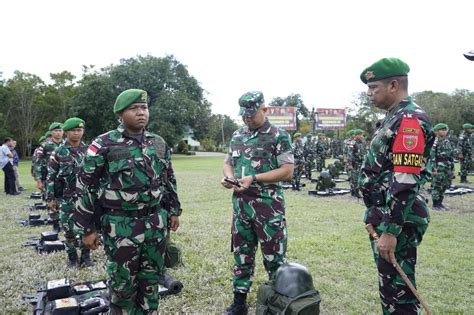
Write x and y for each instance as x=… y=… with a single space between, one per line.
x=326 y=235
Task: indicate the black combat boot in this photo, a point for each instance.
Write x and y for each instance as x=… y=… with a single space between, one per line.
x=464 y=180
x=441 y=204
x=56 y=227
x=86 y=260
x=239 y=307
x=73 y=263
x=437 y=205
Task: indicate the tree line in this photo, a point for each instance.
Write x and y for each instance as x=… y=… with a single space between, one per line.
x=28 y=105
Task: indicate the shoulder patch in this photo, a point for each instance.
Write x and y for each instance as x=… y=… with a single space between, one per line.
x=93 y=148
x=408 y=147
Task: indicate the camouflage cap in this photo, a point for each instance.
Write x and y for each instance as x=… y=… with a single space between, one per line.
x=440 y=126
x=384 y=68
x=467 y=126
x=55 y=125
x=297 y=134
x=321 y=134
x=250 y=102
x=129 y=97
x=73 y=122
x=309 y=134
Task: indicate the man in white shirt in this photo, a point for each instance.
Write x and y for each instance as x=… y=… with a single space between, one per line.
x=5 y=163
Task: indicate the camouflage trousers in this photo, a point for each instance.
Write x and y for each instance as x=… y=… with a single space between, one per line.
x=257 y=222
x=308 y=166
x=66 y=216
x=465 y=165
x=354 y=176
x=298 y=171
x=440 y=183
x=395 y=295
x=135 y=249
x=320 y=163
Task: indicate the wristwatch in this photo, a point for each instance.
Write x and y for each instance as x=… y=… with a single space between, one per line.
x=254 y=178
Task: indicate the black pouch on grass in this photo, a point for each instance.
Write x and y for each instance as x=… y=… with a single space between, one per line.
x=172 y=255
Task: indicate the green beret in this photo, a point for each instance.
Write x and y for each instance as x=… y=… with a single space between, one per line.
x=42 y=138
x=47 y=134
x=358 y=132
x=55 y=125
x=309 y=134
x=467 y=126
x=349 y=133
x=384 y=68
x=74 y=122
x=440 y=126
x=250 y=102
x=321 y=134
x=297 y=134
x=129 y=97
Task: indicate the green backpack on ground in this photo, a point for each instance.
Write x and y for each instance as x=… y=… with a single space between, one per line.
x=173 y=256
x=291 y=293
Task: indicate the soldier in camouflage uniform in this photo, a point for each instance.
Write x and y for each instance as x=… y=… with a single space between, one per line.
x=259 y=158
x=128 y=184
x=390 y=181
x=442 y=159
x=34 y=157
x=465 y=151
x=321 y=152
x=345 y=148
x=309 y=152
x=63 y=167
x=355 y=157
x=297 y=150
x=40 y=169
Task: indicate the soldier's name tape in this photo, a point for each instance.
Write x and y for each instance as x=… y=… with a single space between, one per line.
x=407 y=159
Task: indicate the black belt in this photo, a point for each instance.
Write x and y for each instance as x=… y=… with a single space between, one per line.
x=146 y=211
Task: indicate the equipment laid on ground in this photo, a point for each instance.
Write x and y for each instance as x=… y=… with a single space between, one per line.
x=458 y=190
x=287 y=185
x=47 y=242
x=292 y=292
x=35 y=219
x=36 y=206
x=326 y=186
x=58 y=297
x=35 y=195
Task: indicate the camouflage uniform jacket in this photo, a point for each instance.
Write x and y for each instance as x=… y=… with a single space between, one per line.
x=309 y=149
x=63 y=167
x=40 y=167
x=356 y=152
x=396 y=160
x=465 y=144
x=442 y=154
x=298 y=152
x=321 y=148
x=123 y=173
x=259 y=151
x=345 y=149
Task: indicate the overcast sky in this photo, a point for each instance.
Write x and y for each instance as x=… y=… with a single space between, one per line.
x=315 y=48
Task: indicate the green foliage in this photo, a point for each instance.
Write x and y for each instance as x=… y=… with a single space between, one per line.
x=182 y=147
x=221 y=128
x=292 y=100
x=362 y=114
x=207 y=145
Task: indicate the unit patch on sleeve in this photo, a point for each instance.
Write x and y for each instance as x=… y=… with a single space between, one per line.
x=408 y=147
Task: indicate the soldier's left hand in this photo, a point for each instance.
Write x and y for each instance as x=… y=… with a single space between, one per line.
x=386 y=245
x=174 y=223
x=245 y=183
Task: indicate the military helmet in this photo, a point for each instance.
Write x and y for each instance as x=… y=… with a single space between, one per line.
x=292 y=279
x=324 y=174
x=337 y=162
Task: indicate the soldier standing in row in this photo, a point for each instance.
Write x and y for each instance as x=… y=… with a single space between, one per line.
x=40 y=170
x=309 y=152
x=321 y=152
x=442 y=159
x=63 y=167
x=34 y=157
x=128 y=184
x=390 y=181
x=465 y=151
x=259 y=158
x=345 y=149
x=298 y=154
x=355 y=158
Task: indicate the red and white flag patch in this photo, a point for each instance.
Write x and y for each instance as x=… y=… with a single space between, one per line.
x=93 y=148
x=408 y=147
